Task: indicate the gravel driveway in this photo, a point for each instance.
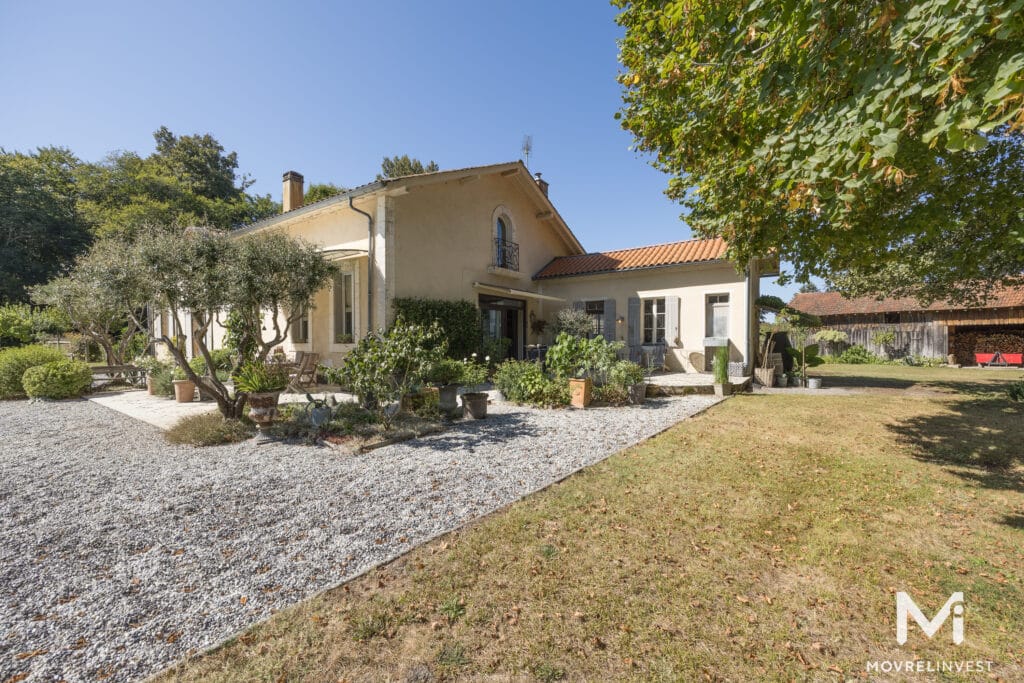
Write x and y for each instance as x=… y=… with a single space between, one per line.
x=120 y=553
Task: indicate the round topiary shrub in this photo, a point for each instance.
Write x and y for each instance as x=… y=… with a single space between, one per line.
x=14 y=363
x=59 y=379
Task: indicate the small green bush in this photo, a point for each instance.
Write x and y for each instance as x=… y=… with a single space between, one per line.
x=525 y=382
x=14 y=363
x=611 y=394
x=1016 y=391
x=624 y=373
x=256 y=378
x=573 y=356
x=221 y=362
x=208 y=429
x=574 y=322
x=60 y=379
x=858 y=355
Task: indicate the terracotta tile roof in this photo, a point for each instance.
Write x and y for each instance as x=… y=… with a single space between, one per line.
x=834 y=303
x=659 y=255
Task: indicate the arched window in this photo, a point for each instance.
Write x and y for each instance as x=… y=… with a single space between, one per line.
x=500 y=240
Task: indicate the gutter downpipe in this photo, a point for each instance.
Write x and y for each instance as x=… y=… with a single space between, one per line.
x=371 y=252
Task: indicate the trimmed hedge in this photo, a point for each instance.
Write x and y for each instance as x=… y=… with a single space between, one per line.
x=14 y=363
x=59 y=379
x=460 y=321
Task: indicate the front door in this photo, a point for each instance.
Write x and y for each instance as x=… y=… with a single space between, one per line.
x=502 y=320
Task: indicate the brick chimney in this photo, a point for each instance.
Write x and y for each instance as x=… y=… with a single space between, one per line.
x=541 y=183
x=291 y=195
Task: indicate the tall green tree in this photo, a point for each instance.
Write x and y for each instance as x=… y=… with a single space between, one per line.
x=856 y=140
x=188 y=180
x=398 y=166
x=41 y=228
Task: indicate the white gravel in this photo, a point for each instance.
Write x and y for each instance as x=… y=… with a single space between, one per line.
x=120 y=553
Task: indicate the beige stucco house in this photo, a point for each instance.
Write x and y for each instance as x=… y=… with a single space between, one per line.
x=491 y=235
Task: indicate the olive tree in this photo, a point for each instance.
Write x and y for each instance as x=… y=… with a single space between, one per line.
x=207 y=273
x=103 y=296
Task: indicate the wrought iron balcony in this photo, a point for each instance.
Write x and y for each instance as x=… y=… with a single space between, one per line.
x=506 y=254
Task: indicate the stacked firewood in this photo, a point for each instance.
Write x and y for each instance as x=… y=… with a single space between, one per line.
x=964 y=345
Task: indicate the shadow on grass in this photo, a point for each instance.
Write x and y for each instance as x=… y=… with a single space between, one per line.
x=968 y=386
x=979 y=439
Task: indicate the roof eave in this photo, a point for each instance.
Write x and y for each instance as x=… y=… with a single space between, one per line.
x=688 y=264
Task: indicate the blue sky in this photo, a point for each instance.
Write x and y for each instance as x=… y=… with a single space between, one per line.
x=327 y=89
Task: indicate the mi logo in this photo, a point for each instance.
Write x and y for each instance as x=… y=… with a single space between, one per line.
x=905 y=607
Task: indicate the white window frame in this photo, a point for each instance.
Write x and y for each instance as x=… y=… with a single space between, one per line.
x=658 y=309
x=356 y=318
x=711 y=300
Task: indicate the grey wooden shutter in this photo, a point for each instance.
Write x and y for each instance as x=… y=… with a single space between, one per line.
x=633 y=324
x=610 y=333
x=672 y=320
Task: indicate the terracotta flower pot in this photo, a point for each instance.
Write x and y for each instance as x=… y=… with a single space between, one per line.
x=263 y=407
x=581 y=392
x=184 y=390
x=474 y=405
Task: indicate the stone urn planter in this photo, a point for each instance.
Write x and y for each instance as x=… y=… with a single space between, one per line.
x=782 y=380
x=474 y=405
x=796 y=381
x=765 y=376
x=184 y=390
x=814 y=383
x=263 y=407
x=723 y=389
x=448 y=399
x=636 y=393
x=581 y=392
x=150 y=386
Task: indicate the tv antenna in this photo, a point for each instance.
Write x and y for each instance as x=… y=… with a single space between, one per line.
x=527 y=148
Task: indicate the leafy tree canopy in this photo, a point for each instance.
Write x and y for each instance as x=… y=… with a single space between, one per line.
x=879 y=143
x=40 y=224
x=188 y=180
x=317 y=191
x=398 y=166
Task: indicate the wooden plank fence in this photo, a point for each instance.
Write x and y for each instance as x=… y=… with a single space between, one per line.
x=929 y=339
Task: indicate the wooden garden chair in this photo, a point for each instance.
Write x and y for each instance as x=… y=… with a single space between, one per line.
x=305 y=374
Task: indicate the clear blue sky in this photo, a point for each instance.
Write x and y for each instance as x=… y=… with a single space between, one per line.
x=327 y=89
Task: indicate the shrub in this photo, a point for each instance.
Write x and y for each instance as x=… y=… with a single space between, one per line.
x=208 y=429
x=473 y=373
x=832 y=336
x=160 y=372
x=611 y=394
x=579 y=357
x=520 y=381
x=14 y=363
x=574 y=322
x=459 y=322
x=15 y=324
x=1016 y=391
x=445 y=371
x=858 y=355
x=625 y=373
x=525 y=382
x=221 y=358
x=385 y=366
x=60 y=379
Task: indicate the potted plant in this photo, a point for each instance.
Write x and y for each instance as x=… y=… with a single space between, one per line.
x=262 y=383
x=474 y=403
x=153 y=368
x=720 y=371
x=765 y=374
x=446 y=375
x=184 y=388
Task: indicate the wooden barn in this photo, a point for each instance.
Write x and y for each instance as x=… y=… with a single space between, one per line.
x=935 y=331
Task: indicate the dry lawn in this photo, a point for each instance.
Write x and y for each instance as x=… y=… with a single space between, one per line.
x=763 y=540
